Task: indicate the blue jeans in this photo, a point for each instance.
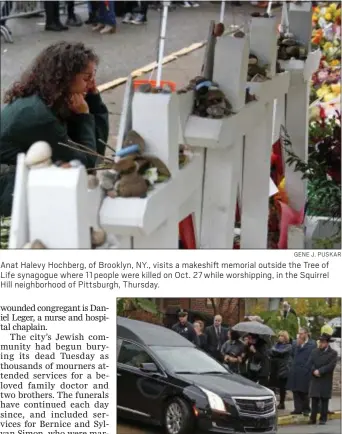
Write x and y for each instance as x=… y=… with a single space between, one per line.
x=107 y=14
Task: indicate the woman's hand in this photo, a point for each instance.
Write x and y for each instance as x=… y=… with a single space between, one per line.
x=92 y=86
x=78 y=104
x=252 y=348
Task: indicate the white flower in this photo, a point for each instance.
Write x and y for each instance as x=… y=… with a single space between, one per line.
x=151 y=175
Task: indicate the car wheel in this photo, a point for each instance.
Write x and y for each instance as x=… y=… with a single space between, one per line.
x=178 y=418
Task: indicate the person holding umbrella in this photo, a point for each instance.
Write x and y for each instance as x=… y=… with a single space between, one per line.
x=257 y=355
x=258 y=363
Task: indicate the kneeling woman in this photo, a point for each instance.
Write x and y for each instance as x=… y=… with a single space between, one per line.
x=55 y=101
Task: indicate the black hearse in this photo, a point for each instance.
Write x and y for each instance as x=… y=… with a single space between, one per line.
x=164 y=379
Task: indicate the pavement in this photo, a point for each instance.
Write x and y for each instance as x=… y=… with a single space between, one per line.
x=130 y=48
x=332 y=427
x=288 y=424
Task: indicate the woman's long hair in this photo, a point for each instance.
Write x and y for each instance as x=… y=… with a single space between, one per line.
x=52 y=73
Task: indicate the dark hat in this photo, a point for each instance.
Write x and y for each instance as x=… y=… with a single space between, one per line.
x=326 y=337
x=182 y=312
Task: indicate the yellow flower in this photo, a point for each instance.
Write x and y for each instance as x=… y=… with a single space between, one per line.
x=327 y=45
x=332 y=7
x=334 y=62
x=336 y=88
x=329 y=97
x=328 y=16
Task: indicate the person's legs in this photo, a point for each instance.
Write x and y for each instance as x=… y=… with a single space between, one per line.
x=314 y=411
x=53 y=22
x=324 y=410
x=5 y=11
x=108 y=16
x=306 y=404
x=129 y=11
x=73 y=19
x=141 y=17
x=92 y=10
x=282 y=393
x=298 y=407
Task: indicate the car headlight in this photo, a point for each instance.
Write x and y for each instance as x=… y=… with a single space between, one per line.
x=216 y=402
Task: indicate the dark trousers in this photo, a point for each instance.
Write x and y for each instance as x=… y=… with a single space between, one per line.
x=263 y=381
x=52 y=12
x=282 y=389
x=71 y=8
x=5 y=11
x=322 y=405
x=301 y=402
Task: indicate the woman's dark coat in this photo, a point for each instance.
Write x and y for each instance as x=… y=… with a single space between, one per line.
x=234 y=349
x=260 y=357
x=300 y=376
x=281 y=360
x=202 y=342
x=325 y=362
x=29 y=120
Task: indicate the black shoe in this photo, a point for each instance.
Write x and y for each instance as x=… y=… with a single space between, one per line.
x=56 y=27
x=322 y=422
x=312 y=422
x=306 y=413
x=295 y=412
x=74 y=21
x=331 y=412
x=281 y=406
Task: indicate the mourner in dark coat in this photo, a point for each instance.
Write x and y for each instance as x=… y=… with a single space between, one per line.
x=216 y=337
x=321 y=366
x=233 y=351
x=258 y=362
x=300 y=376
x=184 y=328
x=202 y=338
x=281 y=359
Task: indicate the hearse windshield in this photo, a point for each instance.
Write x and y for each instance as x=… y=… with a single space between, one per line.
x=187 y=360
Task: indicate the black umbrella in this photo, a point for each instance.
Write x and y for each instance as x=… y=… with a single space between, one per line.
x=254 y=327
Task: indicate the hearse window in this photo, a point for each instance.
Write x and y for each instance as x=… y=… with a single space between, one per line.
x=133 y=355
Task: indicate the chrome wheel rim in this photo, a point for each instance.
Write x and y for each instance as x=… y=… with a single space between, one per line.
x=174 y=418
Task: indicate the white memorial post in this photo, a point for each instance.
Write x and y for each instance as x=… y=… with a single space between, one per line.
x=153 y=221
x=259 y=140
x=222 y=139
x=297 y=101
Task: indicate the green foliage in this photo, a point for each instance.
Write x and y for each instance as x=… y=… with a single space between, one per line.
x=277 y=322
x=144 y=304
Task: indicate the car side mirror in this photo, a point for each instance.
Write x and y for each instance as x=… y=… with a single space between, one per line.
x=149 y=367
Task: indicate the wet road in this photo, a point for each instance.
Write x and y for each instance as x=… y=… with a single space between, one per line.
x=332 y=427
x=131 y=48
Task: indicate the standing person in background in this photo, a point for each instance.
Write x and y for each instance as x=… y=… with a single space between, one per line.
x=233 y=351
x=73 y=20
x=287 y=309
x=128 y=9
x=216 y=337
x=92 y=10
x=281 y=358
x=141 y=16
x=321 y=365
x=105 y=20
x=202 y=339
x=53 y=21
x=300 y=376
x=184 y=328
x=258 y=363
